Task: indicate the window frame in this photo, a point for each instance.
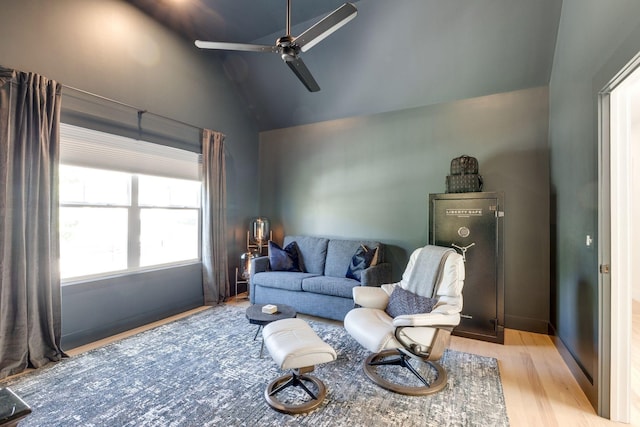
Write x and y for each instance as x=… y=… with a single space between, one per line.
x=134 y=210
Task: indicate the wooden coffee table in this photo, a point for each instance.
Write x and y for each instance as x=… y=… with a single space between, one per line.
x=257 y=317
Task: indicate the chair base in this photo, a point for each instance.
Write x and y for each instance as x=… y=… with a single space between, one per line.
x=295 y=379
x=397 y=358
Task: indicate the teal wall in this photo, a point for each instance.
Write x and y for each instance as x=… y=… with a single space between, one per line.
x=369 y=177
x=365 y=176
x=596 y=39
x=112 y=49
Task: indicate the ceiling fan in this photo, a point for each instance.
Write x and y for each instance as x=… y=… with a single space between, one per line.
x=289 y=47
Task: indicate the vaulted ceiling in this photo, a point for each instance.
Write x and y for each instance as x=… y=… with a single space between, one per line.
x=393 y=55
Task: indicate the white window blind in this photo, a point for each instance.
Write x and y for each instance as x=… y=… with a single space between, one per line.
x=91 y=148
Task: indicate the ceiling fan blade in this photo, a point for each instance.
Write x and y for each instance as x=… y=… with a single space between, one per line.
x=303 y=73
x=235 y=46
x=326 y=26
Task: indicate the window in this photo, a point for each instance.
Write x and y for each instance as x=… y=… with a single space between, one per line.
x=94 y=212
x=165 y=201
x=120 y=220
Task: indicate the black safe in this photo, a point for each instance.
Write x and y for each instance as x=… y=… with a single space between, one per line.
x=472 y=224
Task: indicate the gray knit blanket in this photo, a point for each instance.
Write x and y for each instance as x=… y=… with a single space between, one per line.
x=427 y=270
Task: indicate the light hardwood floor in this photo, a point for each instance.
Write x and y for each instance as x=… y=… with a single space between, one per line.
x=539 y=389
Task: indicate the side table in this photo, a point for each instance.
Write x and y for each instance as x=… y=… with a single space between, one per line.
x=257 y=317
x=240 y=280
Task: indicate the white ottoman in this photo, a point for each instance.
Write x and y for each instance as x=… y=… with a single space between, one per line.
x=294 y=345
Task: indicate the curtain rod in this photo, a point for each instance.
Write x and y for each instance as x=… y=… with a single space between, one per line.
x=139 y=110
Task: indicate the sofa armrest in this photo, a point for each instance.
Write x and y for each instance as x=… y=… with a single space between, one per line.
x=376 y=275
x=258 y=265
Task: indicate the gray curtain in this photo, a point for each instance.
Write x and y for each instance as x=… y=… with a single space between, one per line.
x=30 y=325
x=215 y=275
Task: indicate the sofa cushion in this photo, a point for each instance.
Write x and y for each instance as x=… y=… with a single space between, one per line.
x=361 y=260
x=339 y=254
x=286 y=280
x=335 y=286
x=312 y=250
x=284 y=259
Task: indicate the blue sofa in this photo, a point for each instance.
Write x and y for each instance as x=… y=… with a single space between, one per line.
x=322 y=289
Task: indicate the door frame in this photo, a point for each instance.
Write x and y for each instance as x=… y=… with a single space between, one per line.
x=614 y=216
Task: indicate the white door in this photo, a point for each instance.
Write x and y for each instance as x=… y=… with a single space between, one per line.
x=619 y=250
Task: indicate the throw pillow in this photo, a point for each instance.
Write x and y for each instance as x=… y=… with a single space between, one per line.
x=286 y=259
x=361 y=260
x=403 y=302
x=374 y=260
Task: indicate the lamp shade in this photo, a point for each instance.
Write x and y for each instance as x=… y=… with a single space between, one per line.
x=260 y=229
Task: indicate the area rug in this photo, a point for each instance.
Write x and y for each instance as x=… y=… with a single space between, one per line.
x=204 y=370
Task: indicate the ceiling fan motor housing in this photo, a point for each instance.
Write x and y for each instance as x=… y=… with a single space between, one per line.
x=288 y=49
x=289 y=53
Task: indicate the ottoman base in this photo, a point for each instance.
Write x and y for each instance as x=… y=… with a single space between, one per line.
x=311 y=385
x=294 y=345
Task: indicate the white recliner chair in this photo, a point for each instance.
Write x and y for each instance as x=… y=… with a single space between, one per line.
x=411 y=326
